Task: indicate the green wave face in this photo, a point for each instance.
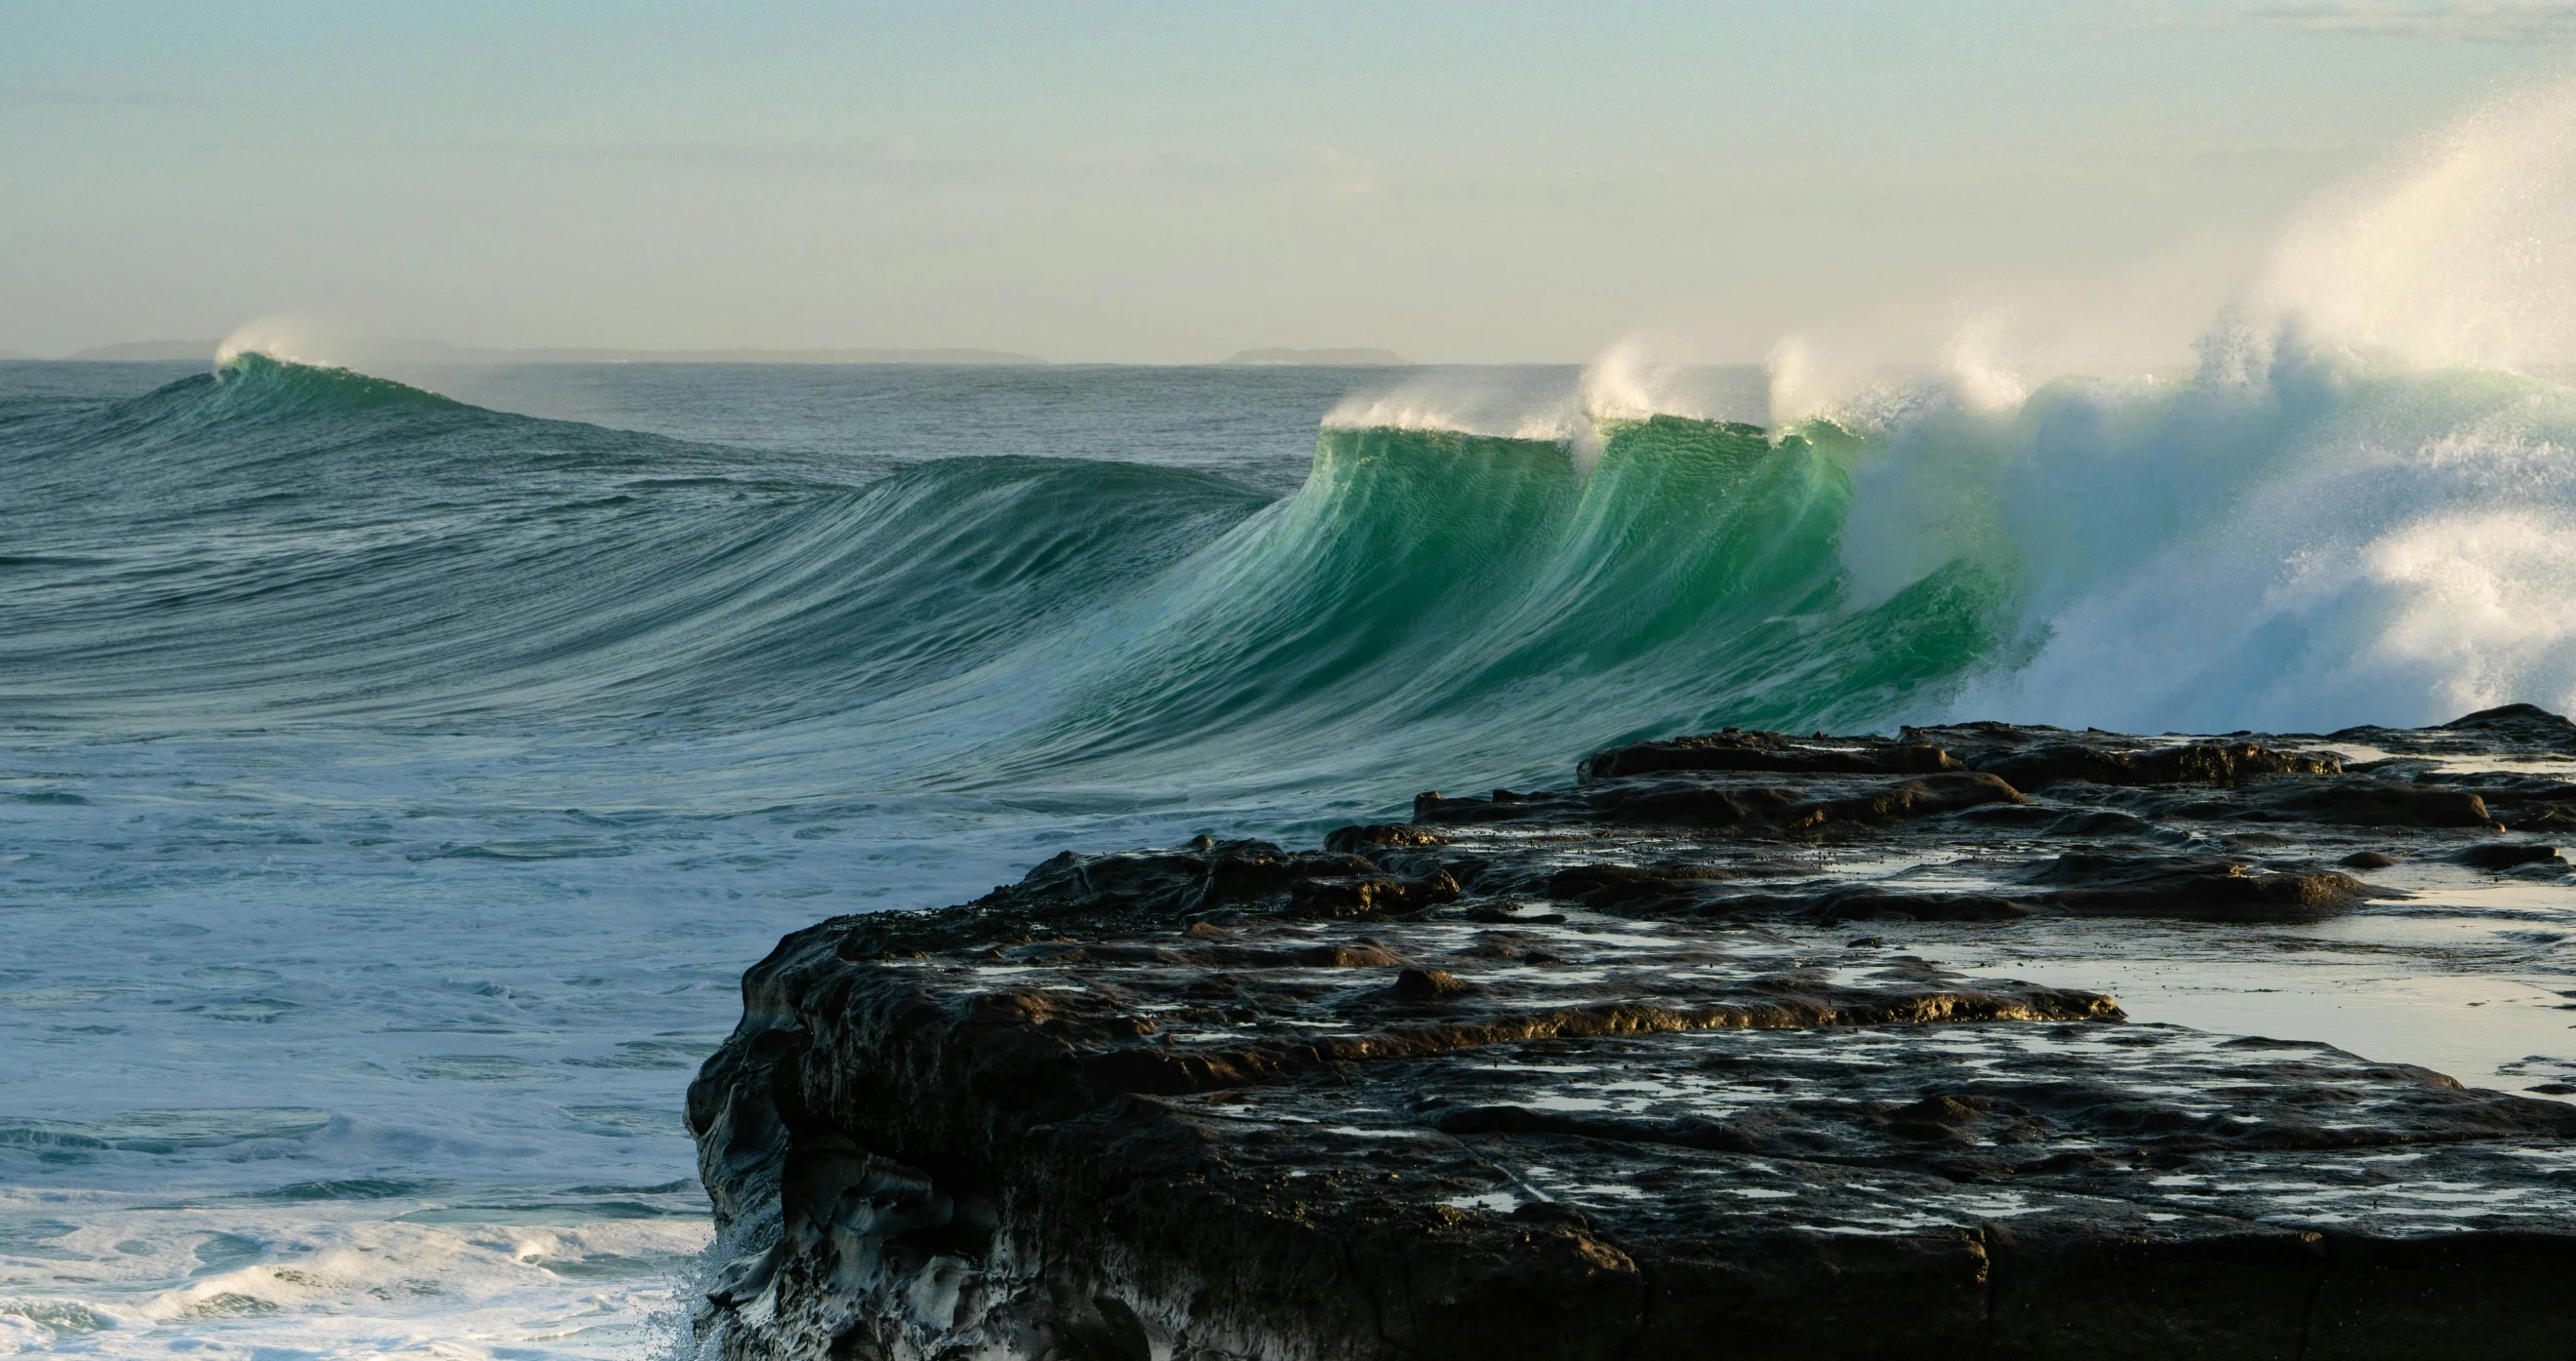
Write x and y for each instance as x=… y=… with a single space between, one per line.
x=275 y=544
x=1426 y=600
x=1488 y=600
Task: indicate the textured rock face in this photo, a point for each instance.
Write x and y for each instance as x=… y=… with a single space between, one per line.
x=1603 y=1072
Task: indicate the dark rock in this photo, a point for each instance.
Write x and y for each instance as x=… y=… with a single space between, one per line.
x=1866 y=902
x=2512 y=730
x=2037 y=757
x=1231 y=1100
x=2204 y=763
x=1427 y=985
x=2555 y=817
x=1791 y=803
x=2526 y=725
x=1348 y=839
x=2366 y=803
x=2504 y=855
x=2093 y=883
x=1734 y=750
x=1610 y=885
x=2392 y=1297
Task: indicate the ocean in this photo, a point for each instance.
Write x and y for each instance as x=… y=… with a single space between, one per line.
x=400 y=770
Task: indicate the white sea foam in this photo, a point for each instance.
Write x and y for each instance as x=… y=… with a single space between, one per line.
x=1623 y=383
x=350 y=1048
x=2354 y=511
x=131 y=1277
x=1532 y=404
x=289 y=338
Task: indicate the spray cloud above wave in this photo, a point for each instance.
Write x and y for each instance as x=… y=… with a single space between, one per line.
x=2358 y=509
x=2352 y=509
x=2360 y=505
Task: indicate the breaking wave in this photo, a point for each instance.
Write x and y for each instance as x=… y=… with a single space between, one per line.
x=2313 y=540
x=2334 y=519
x=354 y=713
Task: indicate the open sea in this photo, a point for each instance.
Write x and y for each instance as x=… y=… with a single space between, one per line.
x=396 y=776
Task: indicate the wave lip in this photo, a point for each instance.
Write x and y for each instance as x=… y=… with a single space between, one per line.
x=251 y=374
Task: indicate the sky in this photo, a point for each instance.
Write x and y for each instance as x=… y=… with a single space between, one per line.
x=1169 y=183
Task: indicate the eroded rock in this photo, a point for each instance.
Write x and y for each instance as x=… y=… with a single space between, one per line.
x=1581 y=1073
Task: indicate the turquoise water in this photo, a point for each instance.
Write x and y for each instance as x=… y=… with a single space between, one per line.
x=395 y=785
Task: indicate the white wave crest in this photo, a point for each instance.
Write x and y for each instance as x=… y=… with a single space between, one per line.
x=2359 y=510
x=287 y=338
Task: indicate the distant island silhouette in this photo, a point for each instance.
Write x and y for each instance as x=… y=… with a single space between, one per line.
x=1319 y=358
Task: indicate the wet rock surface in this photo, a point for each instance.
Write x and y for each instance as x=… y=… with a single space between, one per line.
x=1630 y=1069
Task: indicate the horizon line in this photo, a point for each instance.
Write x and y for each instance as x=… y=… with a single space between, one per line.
x=440 y=352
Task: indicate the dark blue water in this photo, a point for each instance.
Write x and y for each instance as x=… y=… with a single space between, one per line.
x=394 y=790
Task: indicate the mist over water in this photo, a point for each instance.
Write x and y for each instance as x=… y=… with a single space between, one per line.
x=397 y=783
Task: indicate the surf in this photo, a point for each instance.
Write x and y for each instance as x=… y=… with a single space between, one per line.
x=2321 y=535
x=415 y=560
x=2328 y=518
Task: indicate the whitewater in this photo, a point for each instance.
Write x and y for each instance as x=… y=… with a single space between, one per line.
x=399 y=774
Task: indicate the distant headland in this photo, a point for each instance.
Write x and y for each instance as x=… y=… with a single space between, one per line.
x=1320 y=358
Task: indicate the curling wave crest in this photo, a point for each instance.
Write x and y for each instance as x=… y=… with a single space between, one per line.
x=2311 y=540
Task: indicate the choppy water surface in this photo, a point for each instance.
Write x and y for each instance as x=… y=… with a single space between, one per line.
x=395 y=785
x=367 y=918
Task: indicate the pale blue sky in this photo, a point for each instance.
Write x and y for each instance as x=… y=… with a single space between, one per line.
x=1172 y=182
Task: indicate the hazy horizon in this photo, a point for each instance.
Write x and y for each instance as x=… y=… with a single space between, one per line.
x=627 y=492
x=360 y=351
x=1139 y=185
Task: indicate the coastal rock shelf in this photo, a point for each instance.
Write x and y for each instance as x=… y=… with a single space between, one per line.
x=1629 y=1069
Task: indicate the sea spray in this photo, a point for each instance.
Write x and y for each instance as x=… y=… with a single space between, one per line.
x=434 y=771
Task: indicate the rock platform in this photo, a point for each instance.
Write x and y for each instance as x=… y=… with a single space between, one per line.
x=1630 y=1069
